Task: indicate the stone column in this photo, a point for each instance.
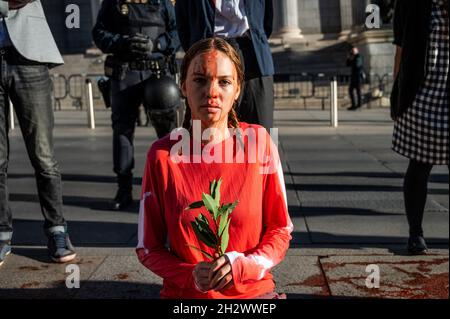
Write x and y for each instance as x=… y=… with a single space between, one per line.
x=288 y=20
x=346 y=19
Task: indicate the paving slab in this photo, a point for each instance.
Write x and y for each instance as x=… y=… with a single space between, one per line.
x=29 y=273
x=83 y=233
x=120 y=277
x=300 y=277
x=374 y=229
x=400 y=277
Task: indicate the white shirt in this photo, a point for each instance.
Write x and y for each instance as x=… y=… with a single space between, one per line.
x=231 y=20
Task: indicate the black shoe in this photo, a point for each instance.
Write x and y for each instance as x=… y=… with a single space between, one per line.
x=59 y=246
x=352 y=108
x=417 y=245
x=122 y=200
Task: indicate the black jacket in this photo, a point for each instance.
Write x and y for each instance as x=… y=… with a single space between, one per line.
x=357 y=71
x=411 y=29
x=112 y=24
x=195 y=21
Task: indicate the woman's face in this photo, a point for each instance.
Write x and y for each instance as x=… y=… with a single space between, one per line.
x=211 y=88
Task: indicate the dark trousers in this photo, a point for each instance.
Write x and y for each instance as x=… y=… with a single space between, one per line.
x=355 y=86
x=256 y=106
x=125 y=112
x=28 y=87
x=257 y=99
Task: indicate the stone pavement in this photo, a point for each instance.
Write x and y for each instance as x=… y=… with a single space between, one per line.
x=345 y=199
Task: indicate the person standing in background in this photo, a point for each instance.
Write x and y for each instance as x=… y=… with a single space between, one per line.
x=419 y=102
x=27 y=50
x=247 y=25
x=355 y=61
x=141 y=38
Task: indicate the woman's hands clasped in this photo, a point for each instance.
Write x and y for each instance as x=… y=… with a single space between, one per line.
x=215 y=276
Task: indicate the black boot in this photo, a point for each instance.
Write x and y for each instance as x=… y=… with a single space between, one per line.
x=123 y=197
x=417 y=245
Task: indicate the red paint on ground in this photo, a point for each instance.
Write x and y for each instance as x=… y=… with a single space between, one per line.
x=122 y=276
x=420 y=284
x=29 y=268
x=316 y=281
x=30 y=285
x=436 y=286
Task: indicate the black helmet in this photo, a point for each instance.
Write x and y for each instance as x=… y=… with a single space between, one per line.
x=162 y=93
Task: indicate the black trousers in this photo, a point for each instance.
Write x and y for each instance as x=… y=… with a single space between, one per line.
x=28 y=87
x=125 y=112
x=256 y=106
x=355 y=86
x=257 y=100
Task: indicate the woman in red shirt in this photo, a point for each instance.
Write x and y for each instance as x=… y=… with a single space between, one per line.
x=260 y=227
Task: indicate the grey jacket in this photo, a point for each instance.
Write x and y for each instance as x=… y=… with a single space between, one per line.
x=30 y=33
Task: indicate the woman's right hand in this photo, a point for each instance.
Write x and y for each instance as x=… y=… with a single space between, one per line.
x=201 y=276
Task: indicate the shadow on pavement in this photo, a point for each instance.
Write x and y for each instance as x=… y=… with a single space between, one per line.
x=328 y=240
x=306 y=211
x=354 y=188
x=434 y=178
x=87 y=290
x=80 y=178
x=82 y=233
x=94 y=203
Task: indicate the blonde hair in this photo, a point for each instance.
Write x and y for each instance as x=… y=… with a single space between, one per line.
x=204 y=46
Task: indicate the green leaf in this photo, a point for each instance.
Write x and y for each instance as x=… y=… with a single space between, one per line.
x=210 y=205
x=202 y=236
x=233 y=206
x=204 y=220
x=222 y=224
x=225 y=238
x=202 y=251
x=224 y=209
x=213 y=187
x=216 y=194
x=194 y=205
x=204 y=228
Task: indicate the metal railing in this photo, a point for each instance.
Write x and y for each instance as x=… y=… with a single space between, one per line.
x=313 y=88
x=301 y=90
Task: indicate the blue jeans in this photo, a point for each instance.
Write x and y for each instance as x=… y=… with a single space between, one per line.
x=28 y=87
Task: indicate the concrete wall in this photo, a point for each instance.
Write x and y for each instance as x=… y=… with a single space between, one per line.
x=378 y=57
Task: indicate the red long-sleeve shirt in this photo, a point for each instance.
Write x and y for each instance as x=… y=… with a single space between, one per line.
x=260 y=225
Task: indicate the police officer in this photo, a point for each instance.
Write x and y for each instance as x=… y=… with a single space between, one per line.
x=141 y=38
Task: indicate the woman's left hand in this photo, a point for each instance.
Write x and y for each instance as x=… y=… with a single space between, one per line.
x=220 y=275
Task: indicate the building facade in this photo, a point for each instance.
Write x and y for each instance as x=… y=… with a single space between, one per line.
x=295 y=21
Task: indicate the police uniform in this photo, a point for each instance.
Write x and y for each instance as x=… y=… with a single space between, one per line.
x=118 y=23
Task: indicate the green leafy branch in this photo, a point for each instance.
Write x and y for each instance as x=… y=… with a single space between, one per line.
x=218 y=237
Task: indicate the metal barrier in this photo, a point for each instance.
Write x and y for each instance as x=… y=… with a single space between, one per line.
x=75 y=83
x=322 y=88
x=294 y=86
x=301 y=87
x=317 y=87
x=59 y=90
